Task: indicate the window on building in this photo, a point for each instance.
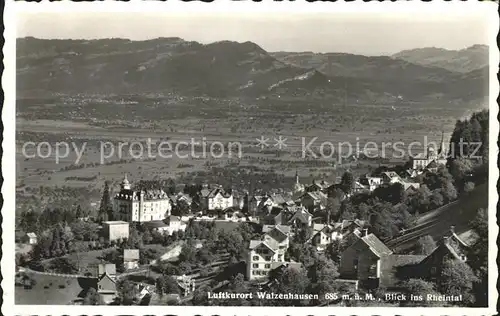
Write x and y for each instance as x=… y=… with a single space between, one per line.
x=255 y=257
x=255 y=265
x=268 y=258
x=267 y=266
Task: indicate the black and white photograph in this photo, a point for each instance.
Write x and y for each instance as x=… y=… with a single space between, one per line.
x=191 y=157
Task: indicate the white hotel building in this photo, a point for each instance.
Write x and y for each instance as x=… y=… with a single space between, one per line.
x=140 y=206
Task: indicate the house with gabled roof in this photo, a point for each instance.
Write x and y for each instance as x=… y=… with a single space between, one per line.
x=276 y=216
x=31 y=238
x=130 y=259
x=408 y=185
x=301 y=217
x=318 y=185
x=362 y=260
x=432 y=166
x=268 y=250
x=314 y=201
x=106 y=282
x=215 y=199
x=373 y=264
x=369 y=182
x=390 y=177
x=450 y=247
x=325 y=234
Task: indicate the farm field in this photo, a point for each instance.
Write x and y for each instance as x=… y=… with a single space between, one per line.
x=49 y=289
x=347 y=128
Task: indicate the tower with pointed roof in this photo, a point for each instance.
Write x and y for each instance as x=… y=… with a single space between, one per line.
x=442 y=149
x=125 y=185
x=297 y=186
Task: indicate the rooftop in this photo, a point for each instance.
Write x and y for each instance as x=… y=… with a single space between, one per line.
x=130 y=254
x=115 y=222
x=376 y=246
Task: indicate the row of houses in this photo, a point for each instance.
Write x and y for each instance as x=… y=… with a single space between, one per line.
x=372 y=264
x=103 y=278
x=367 y=261
x=119 y=230
x=155 y=205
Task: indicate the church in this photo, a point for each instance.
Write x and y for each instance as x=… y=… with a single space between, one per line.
x=140 y=205
x=431 y=158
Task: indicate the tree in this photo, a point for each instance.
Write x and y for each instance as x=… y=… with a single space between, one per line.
x=79 y=213
x=232 y=242
x=332 y=208
x=205 y=256
x=347 y=182
x=419 y=288
x=188 y=253
x=478 y=256
x=160 y=285
x=469 y=187
x=449 y=191
x=170 y=187
x=171 y=286
x=28 y=281
x=200 y=296
x=292 y=280
x=302 y=233
x=425 y=245
x=457 y=278
x=386 y=220
x=146 y=237
x=436 y=200
x=182 y=208
x=134 y=240
x=419 y=203
x=393 y=193
x=63 y=265
x=105 y=206
x=29 y=221
x=323 y=275
x=460 y=168
x=85 y=230
x=91 y=297
x=127 y=293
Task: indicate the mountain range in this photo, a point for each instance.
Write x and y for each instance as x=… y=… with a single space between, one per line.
x=463 y=60
x=227 y=69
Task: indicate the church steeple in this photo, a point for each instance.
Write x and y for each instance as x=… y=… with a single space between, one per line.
x=442 y=149
x=297 y=187
x=125 y=184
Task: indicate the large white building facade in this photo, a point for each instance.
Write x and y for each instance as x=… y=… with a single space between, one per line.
x=267 y=253
x=140 y=206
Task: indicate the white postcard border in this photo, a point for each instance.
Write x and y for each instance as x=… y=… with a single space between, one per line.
x=8 y=145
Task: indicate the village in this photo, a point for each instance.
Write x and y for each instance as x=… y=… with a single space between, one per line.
x=154 y=248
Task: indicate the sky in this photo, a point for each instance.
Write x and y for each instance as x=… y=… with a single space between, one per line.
x=379 y=33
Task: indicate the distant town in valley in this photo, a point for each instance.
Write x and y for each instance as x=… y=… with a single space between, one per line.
x=269 y=227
